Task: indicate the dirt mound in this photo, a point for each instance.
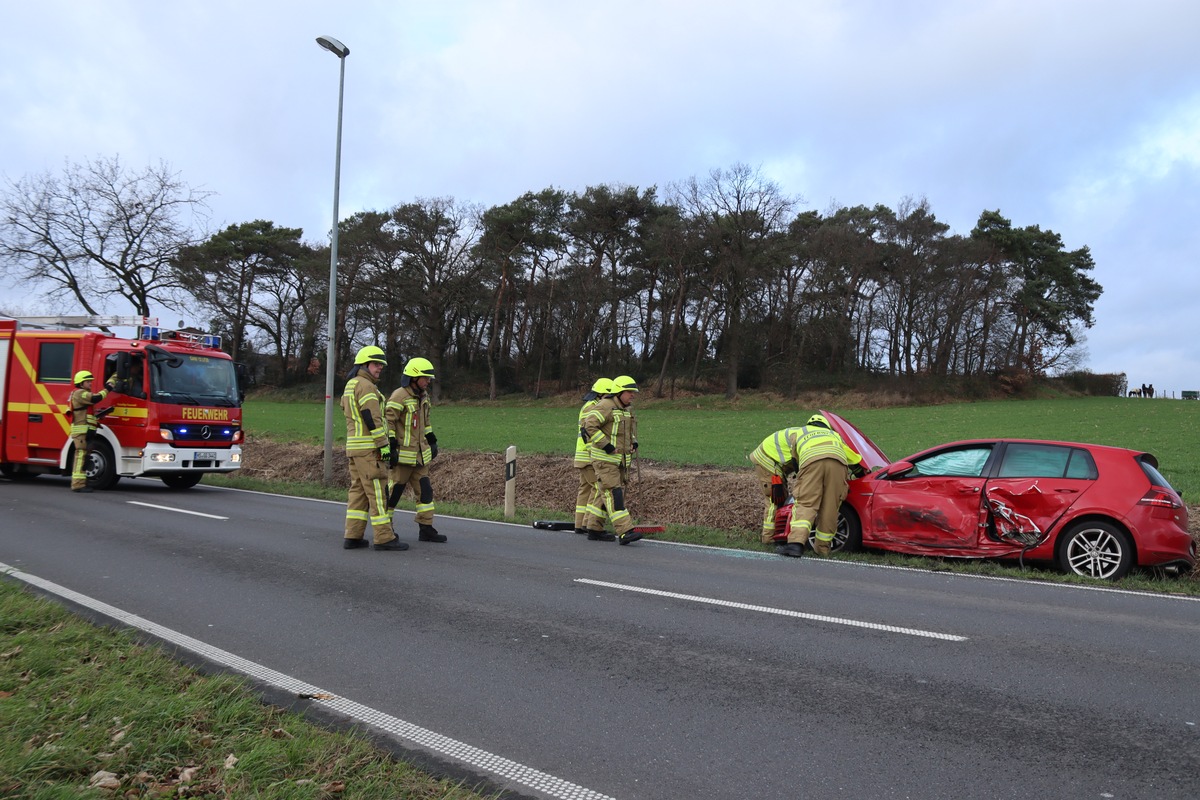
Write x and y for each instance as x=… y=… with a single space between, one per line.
x=723 y=499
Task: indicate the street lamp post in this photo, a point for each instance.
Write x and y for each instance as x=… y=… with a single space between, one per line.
x=341 y=51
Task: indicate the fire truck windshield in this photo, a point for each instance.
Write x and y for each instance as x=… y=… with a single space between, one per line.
x=193 y=380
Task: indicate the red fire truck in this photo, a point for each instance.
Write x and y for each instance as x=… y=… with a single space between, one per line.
x=176 y=415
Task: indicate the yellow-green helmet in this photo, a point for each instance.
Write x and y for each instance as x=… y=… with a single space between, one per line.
x=81 y=376
x=820 y=421
x=370 y=353
x=624 y=383
x=603 y=386
x=419 y=368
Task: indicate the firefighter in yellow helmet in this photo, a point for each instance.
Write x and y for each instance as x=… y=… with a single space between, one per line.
x=602 y=388
x=413 y=444
x=367 y=452
x=84 y=422
x=611 y=431
x=823 y=466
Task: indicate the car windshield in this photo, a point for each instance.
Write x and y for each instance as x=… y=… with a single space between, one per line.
x=193 y=381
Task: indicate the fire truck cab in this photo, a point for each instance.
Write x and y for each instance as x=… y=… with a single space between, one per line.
x=175 y=415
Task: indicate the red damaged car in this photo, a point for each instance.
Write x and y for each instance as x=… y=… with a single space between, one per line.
x=1090 y=509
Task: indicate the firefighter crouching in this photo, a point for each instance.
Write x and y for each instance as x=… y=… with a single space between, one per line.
x=83 y=422
x=602 y=388
x=413 y=445
x=823 y=464
x=367 y=452
x=611 y=431
x=773 y=465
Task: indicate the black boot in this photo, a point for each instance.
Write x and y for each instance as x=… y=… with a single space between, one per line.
x=429 y=534
x=354 y=544
x=600 y=536
x=794 y=550
x=393 y=544
x=629 y=536
x=581 y=530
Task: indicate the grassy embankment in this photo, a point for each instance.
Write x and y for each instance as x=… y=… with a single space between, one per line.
x=713 y=432
x=83 y=708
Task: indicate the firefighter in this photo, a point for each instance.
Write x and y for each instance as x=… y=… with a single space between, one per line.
x=84 y=422
x=413 y=445
x=367 y=452
x=602 y=388
x=611 y=431
x=773 y=465
x=823 y=467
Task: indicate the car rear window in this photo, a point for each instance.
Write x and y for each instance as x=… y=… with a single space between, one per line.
x=1156 y=477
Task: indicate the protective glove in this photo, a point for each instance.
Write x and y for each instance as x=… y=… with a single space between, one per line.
x=635 y=445
x=393 y=457
x=433 y=448
x=610 y=448
x=111 y=383
x=857 y=471
x=385 y=453
x=790 y=466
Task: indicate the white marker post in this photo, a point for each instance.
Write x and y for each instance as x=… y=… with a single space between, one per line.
x=510 y=482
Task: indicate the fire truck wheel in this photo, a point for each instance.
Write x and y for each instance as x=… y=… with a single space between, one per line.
x=181 y=480
x=101 y=467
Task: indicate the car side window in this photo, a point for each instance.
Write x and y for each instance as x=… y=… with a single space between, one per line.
x=1024 y=460
x=965 y=462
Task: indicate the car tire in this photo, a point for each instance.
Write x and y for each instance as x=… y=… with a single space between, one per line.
x=182 y=480
x=848 y=538
x=1095 y=549
x=100 y=467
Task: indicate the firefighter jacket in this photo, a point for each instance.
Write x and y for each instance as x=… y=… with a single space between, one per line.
x=408 y=423
x=83 y=421
x=582 y=459
x=362 y=403
x=799 y=446
x=610 y=423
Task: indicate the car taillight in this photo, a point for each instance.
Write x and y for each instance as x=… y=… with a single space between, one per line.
x=1159 y=498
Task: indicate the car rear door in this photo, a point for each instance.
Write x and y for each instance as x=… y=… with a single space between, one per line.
x=1032 y=486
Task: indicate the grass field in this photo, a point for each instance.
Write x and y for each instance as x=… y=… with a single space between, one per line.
x=721 y=434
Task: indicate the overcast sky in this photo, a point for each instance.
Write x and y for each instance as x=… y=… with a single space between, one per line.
x=1080 y=116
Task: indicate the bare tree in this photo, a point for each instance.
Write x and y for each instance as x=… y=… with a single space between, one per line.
x=98 y=231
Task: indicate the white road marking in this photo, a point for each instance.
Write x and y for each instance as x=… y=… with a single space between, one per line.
x=502 y=768
x=176 y=510
x=783 y=612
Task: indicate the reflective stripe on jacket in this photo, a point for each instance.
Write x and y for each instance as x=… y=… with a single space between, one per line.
x=82 y=420
x=802 y=445
x=360 y=396
x=582 y=459
x=408 y=423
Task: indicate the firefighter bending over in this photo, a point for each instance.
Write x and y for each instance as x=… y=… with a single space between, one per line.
x=84 y=422
x=612 y=439
x=413 y=445
x=602 y=388
x=774 y=463
x=823 y=463
x=367 y=452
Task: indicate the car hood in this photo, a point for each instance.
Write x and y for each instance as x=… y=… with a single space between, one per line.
x=873 y=458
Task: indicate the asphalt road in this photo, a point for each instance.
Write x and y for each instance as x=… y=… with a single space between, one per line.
x=653 y=671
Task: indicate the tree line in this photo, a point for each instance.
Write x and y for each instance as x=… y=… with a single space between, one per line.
x=721 y=280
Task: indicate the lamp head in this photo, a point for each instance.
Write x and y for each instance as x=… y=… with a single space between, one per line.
x=334 y=46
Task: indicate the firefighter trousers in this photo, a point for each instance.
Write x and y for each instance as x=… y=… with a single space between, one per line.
x=587 y=485
x=608 y=495
x=366 y=501
x=415 y=478
x=79 y=463
x=766 y=480
x=818 y=492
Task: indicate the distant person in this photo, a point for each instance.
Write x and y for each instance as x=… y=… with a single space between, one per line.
x=823 y=467
x=368 y=453
x=601 y=389
x=84 y=422
x=611 y=431
x=413 y=445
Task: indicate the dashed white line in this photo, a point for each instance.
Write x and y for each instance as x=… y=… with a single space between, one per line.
x=498 y=766
x=783 y=612
x=176 y=510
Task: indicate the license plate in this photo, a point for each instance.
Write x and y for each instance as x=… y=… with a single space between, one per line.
x=206 y=455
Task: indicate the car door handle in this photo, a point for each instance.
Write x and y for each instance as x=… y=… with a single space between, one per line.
x=1067 y=491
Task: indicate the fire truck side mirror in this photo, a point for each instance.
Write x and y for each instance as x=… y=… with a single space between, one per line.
x=243 y=379
x=124 y=360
